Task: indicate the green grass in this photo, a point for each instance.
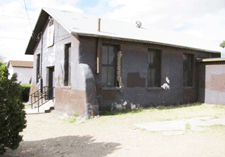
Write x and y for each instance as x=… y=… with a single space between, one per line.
x=217 y=127
x=27 y=106
x=70 y=120
x=25 y=85
x=164 y=113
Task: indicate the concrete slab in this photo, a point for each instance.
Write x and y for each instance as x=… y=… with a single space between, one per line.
x=175 y=127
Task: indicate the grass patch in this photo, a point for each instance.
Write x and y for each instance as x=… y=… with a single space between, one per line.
x=187 y=127
x=71 y=120
x=217 y=127
x=119 y=112
x=132 y=117
x=27 y=106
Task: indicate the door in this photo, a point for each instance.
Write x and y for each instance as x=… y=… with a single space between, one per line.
x=51 y=83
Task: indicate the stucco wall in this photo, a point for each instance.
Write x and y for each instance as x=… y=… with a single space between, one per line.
x=134 y=69
x=23 y=74
x=212 y=83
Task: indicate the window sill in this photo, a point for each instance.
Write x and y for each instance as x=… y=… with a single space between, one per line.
x=154 y=88
x=111 y=88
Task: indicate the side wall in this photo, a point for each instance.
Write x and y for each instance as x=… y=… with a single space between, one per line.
x=69 y=99
x=212 y=84
x=134 y=69
x=23 y=74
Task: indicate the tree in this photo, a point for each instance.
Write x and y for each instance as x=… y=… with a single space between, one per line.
x=222 y=44
x=12 y=116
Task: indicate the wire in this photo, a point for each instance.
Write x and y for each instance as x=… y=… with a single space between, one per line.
x=14 y=17
x=27 y=15
x=13 y=38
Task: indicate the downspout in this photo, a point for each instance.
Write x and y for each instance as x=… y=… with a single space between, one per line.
x=41 y=79
x=98 y=48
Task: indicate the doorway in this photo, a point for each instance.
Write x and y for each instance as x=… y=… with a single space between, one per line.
x=51 y=71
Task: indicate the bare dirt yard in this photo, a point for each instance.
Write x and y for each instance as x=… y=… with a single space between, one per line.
x=52 y=134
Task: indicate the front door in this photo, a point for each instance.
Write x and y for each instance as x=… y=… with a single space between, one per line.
x=51 y=83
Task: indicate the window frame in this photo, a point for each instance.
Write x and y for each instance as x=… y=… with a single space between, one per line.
x=114 y=65
x=67 y=64
x=155 y=65
x=188 y=70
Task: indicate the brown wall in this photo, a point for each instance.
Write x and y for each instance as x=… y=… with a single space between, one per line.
x=70 y=101
x=134 y=74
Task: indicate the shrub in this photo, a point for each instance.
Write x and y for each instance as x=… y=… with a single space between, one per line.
x=12 y=116
x=25 y=92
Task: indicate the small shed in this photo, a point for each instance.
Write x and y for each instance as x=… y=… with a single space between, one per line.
x=212 y=80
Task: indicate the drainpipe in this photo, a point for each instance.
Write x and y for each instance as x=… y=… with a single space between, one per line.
x=98 y=47
x=99 y=24
x=41 y=79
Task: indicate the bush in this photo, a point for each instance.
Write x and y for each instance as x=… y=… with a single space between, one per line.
x=12 y=116
x=25 y=92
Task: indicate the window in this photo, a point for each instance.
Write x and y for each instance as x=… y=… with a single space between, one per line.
x=38 y=68
x=188 y=70
x=109 y=65
x=67 y=66
x=153 y=68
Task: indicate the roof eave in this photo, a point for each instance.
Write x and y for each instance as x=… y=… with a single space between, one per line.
x=207 y=60
x=144 y=41
x=43 y=17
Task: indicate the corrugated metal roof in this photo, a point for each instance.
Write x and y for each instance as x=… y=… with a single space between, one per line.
x=87 y=25
x=24 y=64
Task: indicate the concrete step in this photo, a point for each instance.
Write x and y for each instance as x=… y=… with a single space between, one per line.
x=46 y=108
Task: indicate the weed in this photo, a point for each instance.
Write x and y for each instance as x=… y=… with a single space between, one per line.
x=76 y=115
x=188 y=126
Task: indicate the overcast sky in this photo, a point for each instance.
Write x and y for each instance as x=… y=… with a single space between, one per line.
x=201 y=18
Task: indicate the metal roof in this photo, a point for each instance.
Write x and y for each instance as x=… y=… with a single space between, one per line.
x=23 y=64
x=87 y=25
x=212 y=60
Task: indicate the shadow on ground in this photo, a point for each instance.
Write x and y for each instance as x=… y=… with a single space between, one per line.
x=77 y=146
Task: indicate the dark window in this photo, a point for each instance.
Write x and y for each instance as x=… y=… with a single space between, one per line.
x=67 y=65
x=188 y=70
x=109 y=66
x=38 y=68
x=153 y=68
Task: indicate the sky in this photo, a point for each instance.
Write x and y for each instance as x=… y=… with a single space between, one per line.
x=204 y=19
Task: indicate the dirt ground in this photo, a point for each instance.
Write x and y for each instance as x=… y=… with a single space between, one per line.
x=114 y=136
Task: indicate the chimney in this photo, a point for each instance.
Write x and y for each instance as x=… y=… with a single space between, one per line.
x=99 y=24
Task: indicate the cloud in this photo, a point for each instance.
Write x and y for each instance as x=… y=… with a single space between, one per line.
x=203 y=18
x=59 y=4
x=16 y=29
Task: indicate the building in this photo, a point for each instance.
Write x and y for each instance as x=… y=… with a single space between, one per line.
x=23 y=69
x=95 y=63
x=211 y=74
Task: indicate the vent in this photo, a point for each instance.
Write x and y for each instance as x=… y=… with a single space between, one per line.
x=138 y=24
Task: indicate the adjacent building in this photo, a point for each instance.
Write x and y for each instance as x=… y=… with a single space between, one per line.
x=23 y=69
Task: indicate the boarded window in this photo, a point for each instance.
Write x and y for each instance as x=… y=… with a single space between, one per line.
x=108 y=60
x=38 y=68
x=67 y=65
x=188 y=70
x=153 y=68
